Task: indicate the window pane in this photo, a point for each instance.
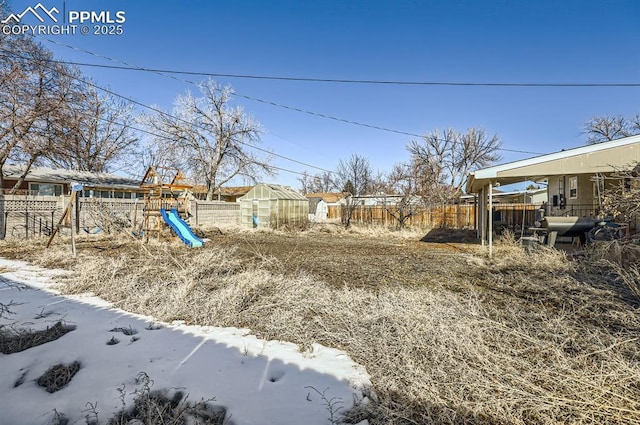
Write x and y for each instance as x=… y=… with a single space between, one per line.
x=46 y=190
x=573 y=187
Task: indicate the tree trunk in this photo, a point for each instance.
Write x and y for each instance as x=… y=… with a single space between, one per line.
x=15 y=187
x=210 y=192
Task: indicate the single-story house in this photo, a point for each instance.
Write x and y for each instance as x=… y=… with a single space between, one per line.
x=225 y=194
x=575 y=178
x=45 y=181
x=378 y=199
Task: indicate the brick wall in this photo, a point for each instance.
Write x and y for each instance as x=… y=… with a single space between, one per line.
x=214 y=213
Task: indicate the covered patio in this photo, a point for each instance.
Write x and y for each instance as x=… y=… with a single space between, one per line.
x=573 y=177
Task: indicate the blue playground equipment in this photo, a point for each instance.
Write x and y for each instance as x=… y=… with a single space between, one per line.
x=181 y=228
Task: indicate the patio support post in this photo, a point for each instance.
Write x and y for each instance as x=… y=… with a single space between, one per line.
x=490 y=218
x=481 y=212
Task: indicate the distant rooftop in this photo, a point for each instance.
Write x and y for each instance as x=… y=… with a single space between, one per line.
x=328 y=197
x=60 y=175
x=225 y=190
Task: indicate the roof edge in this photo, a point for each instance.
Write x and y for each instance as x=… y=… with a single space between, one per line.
x=492 y=172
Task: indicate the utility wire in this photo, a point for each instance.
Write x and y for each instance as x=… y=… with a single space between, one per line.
x=111 y=92
x=167 y=74
x=128 y=66
x=349 y=81
x=172 y=139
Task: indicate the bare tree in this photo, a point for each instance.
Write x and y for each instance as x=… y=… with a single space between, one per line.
x=318 y=183
x=355 y=174
x=603 y=129
x=94 y=134
x=34 y=92
x=405 y=180
x=635 y=124
x=356 y=177
x=444 y=160
x=212 y=139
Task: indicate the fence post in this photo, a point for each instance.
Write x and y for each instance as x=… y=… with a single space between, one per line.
x=77 y=214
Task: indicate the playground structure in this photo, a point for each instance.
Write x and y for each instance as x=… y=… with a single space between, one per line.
x=165 y=203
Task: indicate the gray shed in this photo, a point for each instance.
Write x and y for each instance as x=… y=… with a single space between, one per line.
x=272 y=205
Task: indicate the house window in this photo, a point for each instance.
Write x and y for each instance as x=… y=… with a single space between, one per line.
x=573 y=187
x=46 y=189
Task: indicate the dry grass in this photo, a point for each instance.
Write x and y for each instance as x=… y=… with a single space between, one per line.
x=617 y=263
x=163 y=407
x=521 y=338
x=366 y=231
x=58 y=376
x=16 y=340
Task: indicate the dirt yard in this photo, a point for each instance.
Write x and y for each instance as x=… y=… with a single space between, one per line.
x=360 y=259
x=338 y=259
x=527 y=337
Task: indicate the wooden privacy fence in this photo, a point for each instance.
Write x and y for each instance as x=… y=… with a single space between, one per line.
x=457 y=216
x=515 y=216
x=449 y=216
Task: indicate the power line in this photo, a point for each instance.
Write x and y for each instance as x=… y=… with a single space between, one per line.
x=255 y=99
x=133 y=67
x=128 y=99
x=350 y=81
x=130 y=67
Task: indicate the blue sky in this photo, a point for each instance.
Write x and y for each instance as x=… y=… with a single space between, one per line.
x=580 y=41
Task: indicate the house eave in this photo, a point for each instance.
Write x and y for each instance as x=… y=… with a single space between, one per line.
x=599 y=158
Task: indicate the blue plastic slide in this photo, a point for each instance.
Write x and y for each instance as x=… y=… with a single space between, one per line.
x=181 y=228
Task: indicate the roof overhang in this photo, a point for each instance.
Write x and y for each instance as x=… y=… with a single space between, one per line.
x=599 y=158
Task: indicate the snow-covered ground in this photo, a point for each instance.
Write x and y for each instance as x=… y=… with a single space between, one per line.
x=257 y=381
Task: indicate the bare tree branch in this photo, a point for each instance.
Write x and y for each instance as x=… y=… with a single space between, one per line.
x=603 y=129
x=35 y=93
x=210 y=139
x=441 y=161
x=319 y=183
x=94 y=134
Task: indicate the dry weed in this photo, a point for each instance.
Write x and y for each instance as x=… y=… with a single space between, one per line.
x=510 y=253
x=163 y=407
x=631 y=279
x=380 y=231
x=14 y=341
x=531 y=343
x=617 y=265
x=58 y=376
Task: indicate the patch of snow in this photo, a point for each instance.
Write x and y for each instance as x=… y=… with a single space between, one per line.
x=257 y=381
